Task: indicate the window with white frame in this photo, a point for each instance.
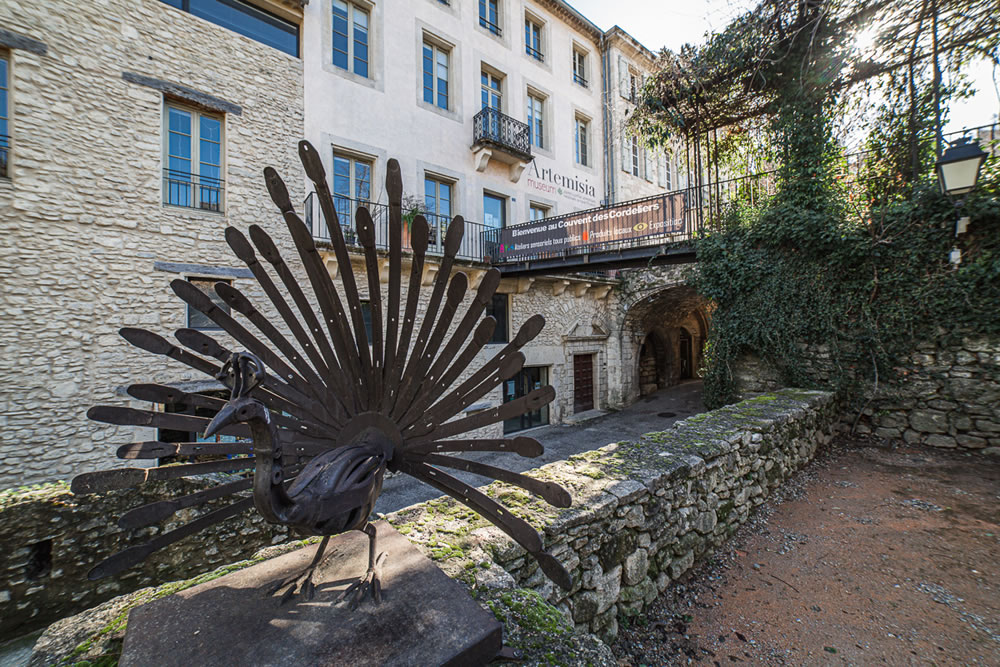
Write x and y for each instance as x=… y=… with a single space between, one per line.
x=491 y=89
x=352 y=186
x=533 y=38
x=580 y=138
x=634 y=85
x=536 y=120
x=537 y=211
x=351 y=37
x=4 y=116
x=580 y=67
x=438 y=196
x=435 y=74
x=192 y=147
x=489 y=15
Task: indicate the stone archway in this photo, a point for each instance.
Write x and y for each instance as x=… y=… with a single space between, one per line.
x=664 y=331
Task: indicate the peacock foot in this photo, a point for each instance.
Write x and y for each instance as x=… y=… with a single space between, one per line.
x=302 y=582
x=371 y=583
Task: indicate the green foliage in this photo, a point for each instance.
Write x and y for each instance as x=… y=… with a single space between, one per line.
x=791 y=280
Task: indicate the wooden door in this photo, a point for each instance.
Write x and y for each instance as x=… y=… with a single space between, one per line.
x=583 y=382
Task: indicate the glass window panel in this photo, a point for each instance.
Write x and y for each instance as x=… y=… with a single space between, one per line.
x=430 y=195
x=493 y=211
x=498 y=309
x=340 y=41
x=211 y=129
x=342 y=176
x=363 y=176
x=443 y=94
x=197 y=319
x=180 y=121
x=444 y=207
x=249 y=21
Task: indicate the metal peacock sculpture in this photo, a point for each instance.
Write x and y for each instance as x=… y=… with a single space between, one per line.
x=321 y=421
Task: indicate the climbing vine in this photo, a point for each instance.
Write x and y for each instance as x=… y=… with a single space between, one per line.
x=835 y=279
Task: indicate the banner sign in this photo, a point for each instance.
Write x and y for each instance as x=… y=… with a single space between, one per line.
x=633 y=220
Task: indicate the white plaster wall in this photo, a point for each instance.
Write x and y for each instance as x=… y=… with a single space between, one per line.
x=385 y=116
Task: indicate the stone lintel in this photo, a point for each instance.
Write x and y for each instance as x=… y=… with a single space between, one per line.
x=202 y=270
x=184 y=93
x=13 y=40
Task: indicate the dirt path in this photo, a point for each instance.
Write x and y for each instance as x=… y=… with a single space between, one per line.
x=877 y=555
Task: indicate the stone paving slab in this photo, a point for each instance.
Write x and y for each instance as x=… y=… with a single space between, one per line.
x=425 y=617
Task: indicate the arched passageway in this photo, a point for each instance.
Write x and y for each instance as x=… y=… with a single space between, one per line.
x=666 y=330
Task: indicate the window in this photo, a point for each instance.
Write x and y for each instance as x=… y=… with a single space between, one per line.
x=435 y=75
x=4 y=116
x=580 y=67
x=633 y=86
x=350 y=37
x=536 y=121
x=491 y=95
x=193 y=157
x=533 y=39
x=498 y=308
x=635 y=155
x=247 y=20
x=538 y=212
x=494 y=211
x=580 y=147
x=527 y=380
x=437 y=202
x=489 y=15
x=197 y=319
x=352 y=185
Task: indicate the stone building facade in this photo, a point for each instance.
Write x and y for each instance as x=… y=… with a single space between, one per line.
x=138 y=131
x=90 y=237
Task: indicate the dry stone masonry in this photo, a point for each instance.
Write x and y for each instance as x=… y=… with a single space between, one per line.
x=643 y=512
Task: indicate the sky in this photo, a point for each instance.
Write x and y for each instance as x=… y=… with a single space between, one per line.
x=672 y=23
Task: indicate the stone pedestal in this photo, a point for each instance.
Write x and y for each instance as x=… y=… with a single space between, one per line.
x=425 y=617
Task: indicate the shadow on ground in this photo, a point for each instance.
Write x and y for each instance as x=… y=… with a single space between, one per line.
x=878 y=554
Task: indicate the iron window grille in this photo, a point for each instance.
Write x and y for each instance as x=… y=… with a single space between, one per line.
x=489 y=16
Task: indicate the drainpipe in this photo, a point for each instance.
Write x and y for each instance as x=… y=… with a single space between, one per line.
x=607 y=131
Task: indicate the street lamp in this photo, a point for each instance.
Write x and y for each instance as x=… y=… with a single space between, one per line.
x=958 y=172
x=958 y=168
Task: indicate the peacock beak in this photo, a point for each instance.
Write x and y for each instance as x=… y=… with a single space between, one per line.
x=225 y=417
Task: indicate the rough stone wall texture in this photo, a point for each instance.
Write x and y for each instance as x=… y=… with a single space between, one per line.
x=947 y=394
x=52 y=538
x=82 y=216
x=643 y=512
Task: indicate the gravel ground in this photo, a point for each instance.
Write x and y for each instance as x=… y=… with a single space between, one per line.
x=875 y=553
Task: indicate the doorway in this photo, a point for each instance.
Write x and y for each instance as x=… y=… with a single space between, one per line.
x=583 y=382
x=529 y=379
x=685 y=354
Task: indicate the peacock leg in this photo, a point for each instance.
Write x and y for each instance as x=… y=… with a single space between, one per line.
x=307 y=588
x=372 y=581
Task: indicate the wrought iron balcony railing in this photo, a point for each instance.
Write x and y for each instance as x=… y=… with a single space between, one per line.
x=4 y=153
x=472 y=247
x=493 y=128
x=192 y=190
x=580 y=80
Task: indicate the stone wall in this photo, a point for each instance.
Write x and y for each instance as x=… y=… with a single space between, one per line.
x=82 y=214
x=52 y=538
x=946 y=395
x=643 y=512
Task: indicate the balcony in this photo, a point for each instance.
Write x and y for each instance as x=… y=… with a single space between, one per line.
x=192 y=190
x=501 y=138
x=472 y=247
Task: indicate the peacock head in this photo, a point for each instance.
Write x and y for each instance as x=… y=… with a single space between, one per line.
x=241 y=373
